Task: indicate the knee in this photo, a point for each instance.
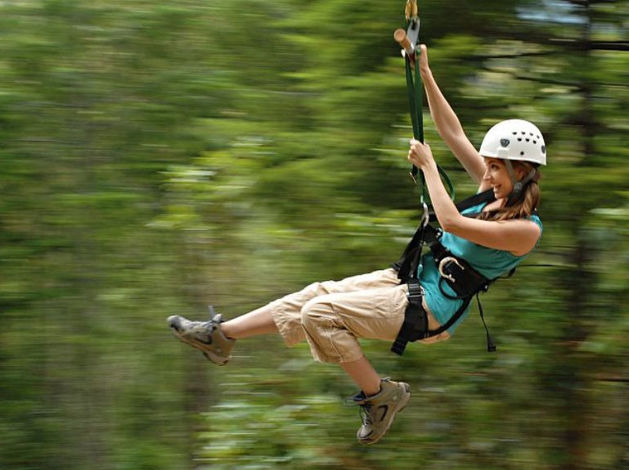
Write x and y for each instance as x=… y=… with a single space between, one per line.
x=329 y=340
x=315 y=314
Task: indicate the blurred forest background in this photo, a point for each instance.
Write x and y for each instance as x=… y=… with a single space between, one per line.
x=156 y=157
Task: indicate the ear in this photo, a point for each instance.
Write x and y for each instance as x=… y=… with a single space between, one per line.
x=520 y=171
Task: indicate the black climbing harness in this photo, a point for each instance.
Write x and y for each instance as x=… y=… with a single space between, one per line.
x=455 y=272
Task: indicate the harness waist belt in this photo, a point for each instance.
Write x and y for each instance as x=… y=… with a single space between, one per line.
x=462 y=278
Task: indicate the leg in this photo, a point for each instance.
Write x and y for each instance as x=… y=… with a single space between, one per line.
x=282 y=315
x=333 y=323
x=207 y=336
x=363 y=374
x=216 y=338
x=257 y=322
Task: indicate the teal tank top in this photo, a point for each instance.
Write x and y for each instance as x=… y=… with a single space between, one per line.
x=490 y=262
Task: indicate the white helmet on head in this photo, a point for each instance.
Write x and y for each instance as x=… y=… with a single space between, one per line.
x=515 y=139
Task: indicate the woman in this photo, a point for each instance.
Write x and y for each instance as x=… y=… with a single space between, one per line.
x=332 y=315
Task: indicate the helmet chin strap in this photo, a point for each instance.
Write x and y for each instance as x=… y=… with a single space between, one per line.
x=518 y=186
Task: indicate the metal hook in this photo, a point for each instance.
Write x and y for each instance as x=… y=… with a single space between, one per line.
x=442 y=265
x=425 y=215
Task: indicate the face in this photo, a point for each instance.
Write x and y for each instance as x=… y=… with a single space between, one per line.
x=497 y=175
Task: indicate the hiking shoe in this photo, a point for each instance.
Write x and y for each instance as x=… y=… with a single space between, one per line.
x=206 y=336
x=379 y=410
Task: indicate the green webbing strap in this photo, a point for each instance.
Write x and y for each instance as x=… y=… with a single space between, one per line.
x=414 y=98
x=415 y=90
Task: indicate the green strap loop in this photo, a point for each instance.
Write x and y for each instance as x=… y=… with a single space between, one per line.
x=414 y=88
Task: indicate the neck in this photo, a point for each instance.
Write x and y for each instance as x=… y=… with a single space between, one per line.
x=495 y=205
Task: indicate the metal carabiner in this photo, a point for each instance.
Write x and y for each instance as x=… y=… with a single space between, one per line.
x=442 y=264
x=412 y=174
x=425 y=215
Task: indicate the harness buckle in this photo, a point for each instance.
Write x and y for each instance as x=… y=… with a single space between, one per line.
x=415 y=291
x=444 y=262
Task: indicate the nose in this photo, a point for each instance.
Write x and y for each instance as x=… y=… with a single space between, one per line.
x=486 y=175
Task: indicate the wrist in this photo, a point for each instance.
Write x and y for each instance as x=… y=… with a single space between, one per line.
x=428 y=166
x=425 y=72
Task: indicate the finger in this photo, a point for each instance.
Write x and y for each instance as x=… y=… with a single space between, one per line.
x=423 y=55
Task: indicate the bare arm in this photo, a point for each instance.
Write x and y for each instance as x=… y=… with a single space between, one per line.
x=515 y=236
x=448 y=123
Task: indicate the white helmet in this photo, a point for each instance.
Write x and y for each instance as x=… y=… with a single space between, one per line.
x=515 y=139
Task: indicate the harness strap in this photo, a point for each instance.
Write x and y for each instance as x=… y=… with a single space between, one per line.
x=415 y=325
x=478 y=198
x=491 y=347
x=407 y=265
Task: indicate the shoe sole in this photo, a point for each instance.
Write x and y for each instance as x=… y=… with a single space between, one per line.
x=200 y=345
x=401 y=405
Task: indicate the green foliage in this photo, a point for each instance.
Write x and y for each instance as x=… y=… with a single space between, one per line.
x=159 y=157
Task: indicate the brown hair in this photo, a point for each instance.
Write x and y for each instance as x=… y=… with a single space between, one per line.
x=524 y=205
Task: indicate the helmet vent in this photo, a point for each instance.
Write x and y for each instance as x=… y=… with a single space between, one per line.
x=522 y=153
x=543 y=149
x=504 y=142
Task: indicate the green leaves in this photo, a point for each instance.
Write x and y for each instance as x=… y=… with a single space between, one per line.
x=158 y=157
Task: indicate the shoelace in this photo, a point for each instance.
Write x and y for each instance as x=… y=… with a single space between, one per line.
x=204 y=330
x=363 y=412
x=208 y=327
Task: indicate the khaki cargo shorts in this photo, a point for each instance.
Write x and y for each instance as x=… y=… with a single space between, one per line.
x=333 y=315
